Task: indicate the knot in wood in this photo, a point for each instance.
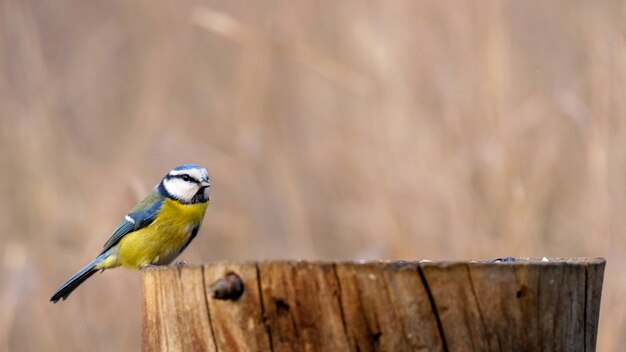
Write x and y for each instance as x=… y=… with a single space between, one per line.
x=230 y=287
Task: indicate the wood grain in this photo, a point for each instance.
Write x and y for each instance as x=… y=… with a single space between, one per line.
x=528 y=305
x=302 y=306
x=387 y=308
x=238 y=325
x=182 y=322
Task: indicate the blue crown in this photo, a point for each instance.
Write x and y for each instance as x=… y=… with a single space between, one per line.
x=187 y=167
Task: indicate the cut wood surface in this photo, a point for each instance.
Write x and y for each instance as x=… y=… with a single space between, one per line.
x=528 y=305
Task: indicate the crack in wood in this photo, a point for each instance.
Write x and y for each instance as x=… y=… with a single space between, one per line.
x=557 y=312
x=585 y=309
x=433 y=306
x=480 y=311
x=538 y=312
x=395 y=308
x=162 y=324
x=341 y=309
x=370 y=330
x=268 y=328
x=208 y=310
x=180 y=304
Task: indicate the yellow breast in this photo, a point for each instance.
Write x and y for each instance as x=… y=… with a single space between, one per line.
x=161 y=241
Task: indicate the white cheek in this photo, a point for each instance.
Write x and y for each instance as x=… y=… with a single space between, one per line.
x=180 y=189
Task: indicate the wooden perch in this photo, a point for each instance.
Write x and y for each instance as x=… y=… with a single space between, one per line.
x=528 y=305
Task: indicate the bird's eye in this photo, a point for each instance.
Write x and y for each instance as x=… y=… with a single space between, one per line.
x=186 y=178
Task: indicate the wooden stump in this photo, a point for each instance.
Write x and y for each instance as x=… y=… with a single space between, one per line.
x=529 y=305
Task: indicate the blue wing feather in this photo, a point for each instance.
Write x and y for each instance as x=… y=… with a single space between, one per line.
x=141 y=216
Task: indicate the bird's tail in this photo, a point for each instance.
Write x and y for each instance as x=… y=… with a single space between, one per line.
x=70 y=285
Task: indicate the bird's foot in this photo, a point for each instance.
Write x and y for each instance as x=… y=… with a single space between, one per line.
x=147 y=266
x=504 y=260
x=180 y=263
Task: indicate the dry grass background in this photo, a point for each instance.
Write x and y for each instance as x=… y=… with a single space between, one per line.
x=351 y=129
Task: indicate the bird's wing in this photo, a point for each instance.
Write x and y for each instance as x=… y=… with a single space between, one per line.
x=141 y=216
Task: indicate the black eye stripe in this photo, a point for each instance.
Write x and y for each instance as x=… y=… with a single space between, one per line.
x=184 y=177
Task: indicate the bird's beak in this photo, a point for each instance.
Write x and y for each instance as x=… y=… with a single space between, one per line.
x=205 y=184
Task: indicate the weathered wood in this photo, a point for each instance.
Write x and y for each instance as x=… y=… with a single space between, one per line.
x=594 y=278
x=523 y=306
x=237 y=325
x=528 y=305
x=387 y=308
x=302 y=306
x=183 y=321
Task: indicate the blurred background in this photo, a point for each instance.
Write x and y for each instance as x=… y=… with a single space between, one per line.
x=331 y=130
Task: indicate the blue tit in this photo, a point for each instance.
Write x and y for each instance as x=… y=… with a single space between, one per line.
x=157 y=230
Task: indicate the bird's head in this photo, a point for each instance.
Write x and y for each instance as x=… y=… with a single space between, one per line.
x=188 y=183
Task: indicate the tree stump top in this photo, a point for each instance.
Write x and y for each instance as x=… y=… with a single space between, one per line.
x=526 y=305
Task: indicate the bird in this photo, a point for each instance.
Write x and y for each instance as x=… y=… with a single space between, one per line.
x=156 y=230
